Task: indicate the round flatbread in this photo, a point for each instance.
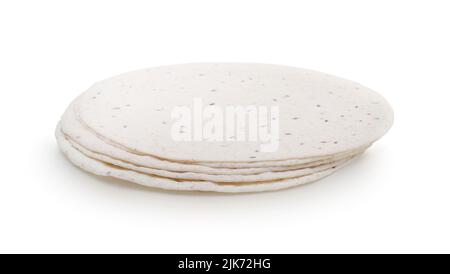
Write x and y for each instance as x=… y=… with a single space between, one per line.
x=89 y=140
x=237 y=178
x=104 y=169
x=319 y=114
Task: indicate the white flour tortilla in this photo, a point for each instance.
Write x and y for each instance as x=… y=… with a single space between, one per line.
x=103 y=169
x=238 y=178
x=85 y=138
x=320 y=114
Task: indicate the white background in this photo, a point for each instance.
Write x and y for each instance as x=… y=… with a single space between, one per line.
x=395 y=199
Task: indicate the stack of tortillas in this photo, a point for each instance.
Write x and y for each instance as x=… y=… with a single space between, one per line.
x=221 y=127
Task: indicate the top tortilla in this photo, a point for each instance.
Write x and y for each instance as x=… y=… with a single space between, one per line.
x=319 y=114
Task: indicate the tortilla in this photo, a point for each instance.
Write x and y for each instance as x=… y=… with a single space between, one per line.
x=102 y=169
x=87 y=139
x=237 y=178
x=319 y=114
x=221 y=127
